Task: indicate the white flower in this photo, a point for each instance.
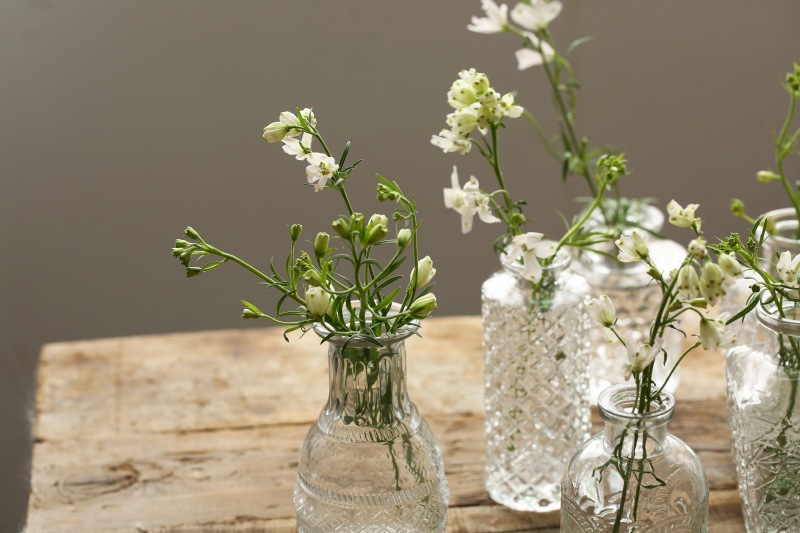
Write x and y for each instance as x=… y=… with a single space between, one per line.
x=449 y=141
x=711 y=281
x=424 y=271
x=713 y=333
x=288 y=125
x=321 y=168
x=495 y=20
x=461 y=94
x=508 y=107
x=697 y=247
x=299 y=148
x=317 y=301
x=731 y=267
x=688 y=282
x=640 y=356
x=531 y=248
x=787 y=268
x=468 y=201
x=603 y=312
x=682 y=217
x=536 y=15
x=632 y=247
x=464 y=120
x=478 y=80
x=530 y=57
x=423 y=306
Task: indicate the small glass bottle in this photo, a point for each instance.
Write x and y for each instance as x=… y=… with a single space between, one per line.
x=370 y=462
x=536 y=365
x=634 y=476
x=764 y=414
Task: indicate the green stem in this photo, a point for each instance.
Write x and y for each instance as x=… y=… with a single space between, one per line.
x=292 y=293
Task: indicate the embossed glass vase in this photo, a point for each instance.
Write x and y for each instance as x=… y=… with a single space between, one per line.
x=536 y=348
x=634 y=476
x=636 y=300
x=764 y=414
x=370 y=463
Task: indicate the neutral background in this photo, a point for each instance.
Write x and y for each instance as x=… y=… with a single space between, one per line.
x=122 y=122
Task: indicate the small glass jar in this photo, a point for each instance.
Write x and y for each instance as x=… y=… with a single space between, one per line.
x=370 y=462
x=634 y=476
x=636 y=300
x=536 y=365
x=764 y=414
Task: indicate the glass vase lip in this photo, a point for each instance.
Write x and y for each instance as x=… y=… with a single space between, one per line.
x=785 y=219
x=614 y=407
x=560 y=263
x=768 y=317
x=652 y=219
x=385 y=340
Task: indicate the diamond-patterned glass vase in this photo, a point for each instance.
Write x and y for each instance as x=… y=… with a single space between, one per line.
x=634 y=476
x=370 y=463
x=636 y=300
x=764 y=414
x=536 y=347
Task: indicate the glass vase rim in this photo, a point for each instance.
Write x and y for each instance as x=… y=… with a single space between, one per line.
x=560 y=263
x=653 y=219
x=386 y=339
x=608 y=406
x=785 y=218
x=767 y=317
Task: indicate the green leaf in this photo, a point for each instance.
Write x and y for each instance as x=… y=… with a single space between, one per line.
x=344 y=154
x=741 y=314
x=386 y=302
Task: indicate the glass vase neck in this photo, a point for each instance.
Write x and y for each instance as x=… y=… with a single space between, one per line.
x=559 y=264
x=644 y=432
x=784 y=239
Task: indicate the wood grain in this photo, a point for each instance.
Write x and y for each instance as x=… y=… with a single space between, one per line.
x=201 y=431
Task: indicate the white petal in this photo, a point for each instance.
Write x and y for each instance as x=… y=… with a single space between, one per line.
x=527 y=58
x=545 y=249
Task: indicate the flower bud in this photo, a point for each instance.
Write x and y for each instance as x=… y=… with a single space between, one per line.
x=342 y=227
x=249 y=313
x=385 y=193
x=765 y=176
x=697 y=247
x=191 y=233
x=688 y=283
x=423 y=305
x=313 y=278
x=698 y=302
x=737 y=207
x=424 y=271
x=275 y=132
x=375 y=234
x=295 y=231
x=729 y=265
x=403 y=237
x=321 y=244
x=317 y=301
x=602 y=311
x=356 y=223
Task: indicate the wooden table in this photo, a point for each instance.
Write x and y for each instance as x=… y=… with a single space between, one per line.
x=201 y=431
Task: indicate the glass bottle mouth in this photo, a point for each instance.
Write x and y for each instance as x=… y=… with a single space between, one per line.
x=615 y=406
x=560 y=263
x=786 y=223
x=385 y=340
x=767 y=314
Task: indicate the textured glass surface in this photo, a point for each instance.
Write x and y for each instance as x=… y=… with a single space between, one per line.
x=764 y=414
x=636 y=299
x=370 y=463
x=673 y=495
x=536 y=395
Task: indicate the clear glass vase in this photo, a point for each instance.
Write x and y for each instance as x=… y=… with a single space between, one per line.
x=636 y=299
x=764 y=414
x=370 y=463
x=634 y=476
x=536 y=348
x=748 y=331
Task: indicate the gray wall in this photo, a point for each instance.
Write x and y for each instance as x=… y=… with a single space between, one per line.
x=122 y=122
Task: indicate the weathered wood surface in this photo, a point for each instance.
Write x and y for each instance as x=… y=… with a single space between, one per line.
x=200 y=431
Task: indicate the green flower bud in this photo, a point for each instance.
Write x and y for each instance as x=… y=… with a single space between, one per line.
x=423 y=306
x=313 y=278
x=275 y=132
x=193 y=271
x=249 y=313
x=737 y=207
x=729 y=265
x=385 y=193
x=342 y=227
x=303 y=263
x=191 y=233
x=698 y=302
x=295 y=231
x=356 y=223
x=424 y=271
x=765 y=176
x=317 y=301
x=180 y=243
x=321 y=244
x=375 y=234
x=403 y=237
x=516 y=220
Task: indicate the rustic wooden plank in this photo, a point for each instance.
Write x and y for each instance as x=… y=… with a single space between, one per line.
x=200 y=432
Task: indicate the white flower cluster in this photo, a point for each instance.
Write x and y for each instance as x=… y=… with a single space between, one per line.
x=530 y=248
x=321 y=167
x=476 y=105
x=532 y=16
x=468 y=202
